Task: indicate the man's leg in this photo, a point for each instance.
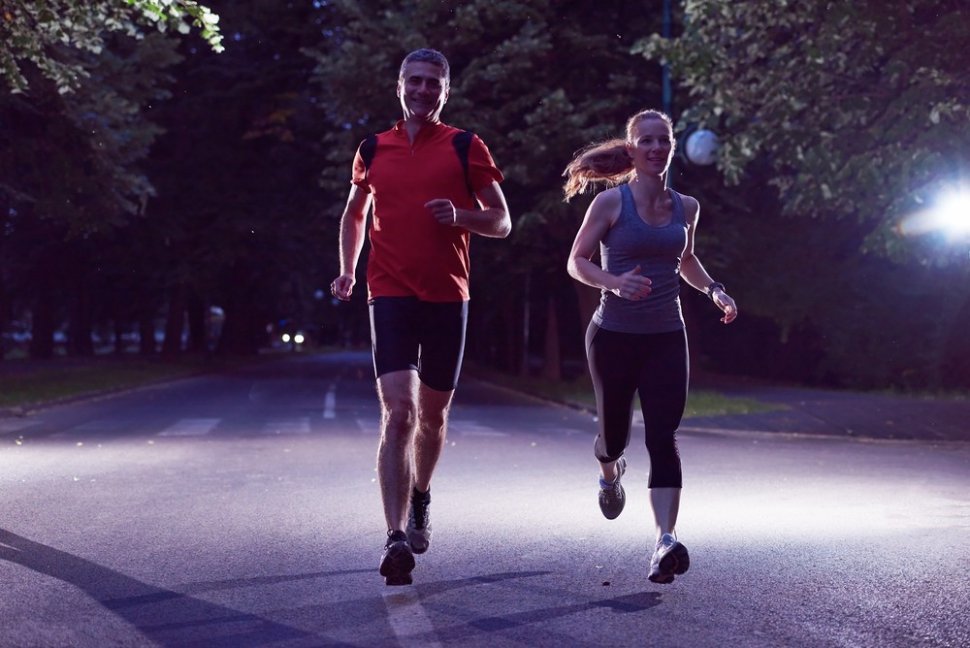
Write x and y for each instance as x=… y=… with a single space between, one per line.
x=442 y=348
x=429 y=441
x=395 y=343
x=432 y=427
x=397 y=392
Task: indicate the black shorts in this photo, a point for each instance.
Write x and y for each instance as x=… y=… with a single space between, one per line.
x=427 y=337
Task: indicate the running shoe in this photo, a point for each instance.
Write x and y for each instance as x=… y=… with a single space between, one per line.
x=397 y=561
x=612 y=495
x=419 y=521
x=669 y=559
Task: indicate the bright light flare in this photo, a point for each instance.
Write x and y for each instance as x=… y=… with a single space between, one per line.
x=286 y=338
x=950 y=216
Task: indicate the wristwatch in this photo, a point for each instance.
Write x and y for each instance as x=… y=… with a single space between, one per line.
x=716 y=285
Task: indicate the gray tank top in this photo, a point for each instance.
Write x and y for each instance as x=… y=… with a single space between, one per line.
x=657 y=250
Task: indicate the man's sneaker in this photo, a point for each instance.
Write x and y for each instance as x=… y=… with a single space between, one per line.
x=419 y=521
x=397 y=560
x=669 y=559
x=612 y=495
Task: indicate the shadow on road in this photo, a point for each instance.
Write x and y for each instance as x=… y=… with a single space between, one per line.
x=469 y=623
x=170 y=618
x=190 y=621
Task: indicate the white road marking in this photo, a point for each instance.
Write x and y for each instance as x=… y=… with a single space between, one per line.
x=408 y=620
x=191 y=427
x=98 y=425
x=466 y=428
x=473 y=429
x=330 y=402
x=101 y=425
x=370 y=427
x=15 y=425
x=296 y=426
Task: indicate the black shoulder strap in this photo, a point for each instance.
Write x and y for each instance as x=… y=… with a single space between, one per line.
x=368 y=147
x=462 y=141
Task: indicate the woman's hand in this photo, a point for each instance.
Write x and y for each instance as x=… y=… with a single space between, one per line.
x=632 y=285
x=723 y=301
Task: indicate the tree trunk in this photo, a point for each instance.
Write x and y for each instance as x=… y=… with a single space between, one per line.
x=198 y=338
x=79 y=341
x=119 y=341
x=4 y=316
x=526 y=323
x=588 y=298
x=242 y=332
x=146 y=335
x=174 y=323
x=552 y=364
x=955 y=369
x=42 y=328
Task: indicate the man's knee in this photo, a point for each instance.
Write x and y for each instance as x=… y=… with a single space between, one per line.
x=399 y=416
x=433 y=421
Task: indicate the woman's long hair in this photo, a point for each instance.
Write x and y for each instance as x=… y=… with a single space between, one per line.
x=606 y=162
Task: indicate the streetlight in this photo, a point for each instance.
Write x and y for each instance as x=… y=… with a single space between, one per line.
x=950 y=216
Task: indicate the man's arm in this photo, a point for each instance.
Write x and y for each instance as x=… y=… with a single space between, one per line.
x=352 y=225
x=492 y=221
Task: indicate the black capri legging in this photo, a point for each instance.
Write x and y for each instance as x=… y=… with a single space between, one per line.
x=655 y=365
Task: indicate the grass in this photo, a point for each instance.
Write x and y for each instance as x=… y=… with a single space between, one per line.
x=24 y=383
x=579 y=393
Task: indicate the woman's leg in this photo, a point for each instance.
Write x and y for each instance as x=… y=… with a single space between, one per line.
x=663 y=397
x=614 y=379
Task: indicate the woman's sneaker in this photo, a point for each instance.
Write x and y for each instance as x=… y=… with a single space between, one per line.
x=612 y=495
x=419 y=521
x=397 y=561
x=669 y=559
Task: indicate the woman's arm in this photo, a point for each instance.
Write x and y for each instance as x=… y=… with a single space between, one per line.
x=600 y=216
x=692 y=270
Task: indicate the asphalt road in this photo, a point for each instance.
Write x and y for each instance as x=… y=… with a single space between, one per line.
x=242 y=510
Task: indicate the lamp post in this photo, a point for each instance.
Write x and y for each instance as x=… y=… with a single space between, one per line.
x=667 y=93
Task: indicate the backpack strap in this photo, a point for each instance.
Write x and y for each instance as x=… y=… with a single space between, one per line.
x=462 y=142
x=368 y=147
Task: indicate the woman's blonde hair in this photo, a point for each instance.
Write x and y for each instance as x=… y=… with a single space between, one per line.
x=606 y=162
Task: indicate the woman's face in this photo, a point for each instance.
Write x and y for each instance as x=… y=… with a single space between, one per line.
x=651 y=146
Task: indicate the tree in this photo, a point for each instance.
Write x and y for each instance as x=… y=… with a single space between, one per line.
x=49 y=34
x=69 y=173
x=860 y=108
x=837 y=120
x=82 y=76
x=238 y=207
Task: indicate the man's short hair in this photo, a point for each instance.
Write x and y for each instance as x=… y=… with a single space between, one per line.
x=426 y=55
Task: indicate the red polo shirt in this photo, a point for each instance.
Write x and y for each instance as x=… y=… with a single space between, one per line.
x=411 y=253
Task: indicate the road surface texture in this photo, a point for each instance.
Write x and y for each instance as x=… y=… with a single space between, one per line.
x=242 y=510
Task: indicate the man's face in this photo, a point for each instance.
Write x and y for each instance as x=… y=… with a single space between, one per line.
x=423 y=91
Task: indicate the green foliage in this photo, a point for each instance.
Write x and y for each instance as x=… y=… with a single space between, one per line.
x=238 y=219
x=861 y=109
x=73 y=157
x=50 y=34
